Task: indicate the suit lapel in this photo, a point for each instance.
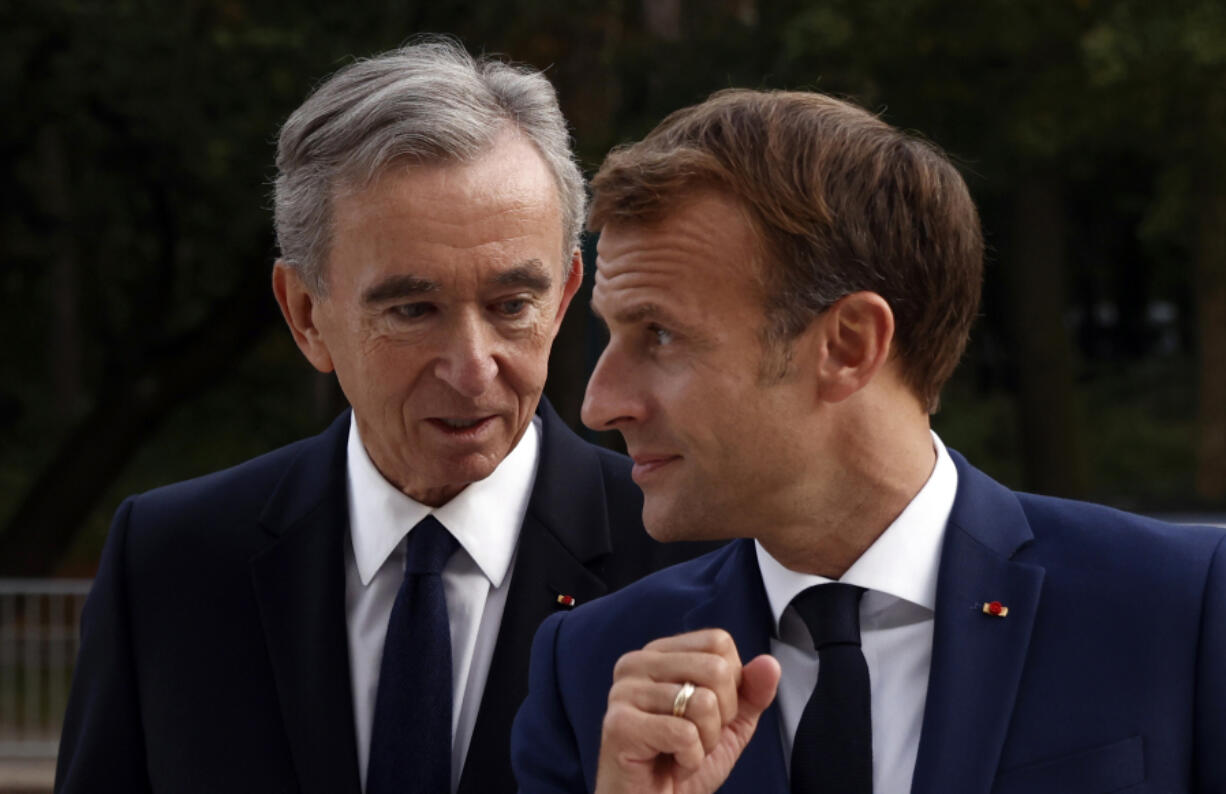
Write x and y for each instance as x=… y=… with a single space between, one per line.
x=300 y=590
x=738 y=604
x=565 y=531
x=977 y=659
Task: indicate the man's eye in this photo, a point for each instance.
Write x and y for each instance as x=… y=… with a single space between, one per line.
x=513 y=307
x=412 y=311
x=660 y=336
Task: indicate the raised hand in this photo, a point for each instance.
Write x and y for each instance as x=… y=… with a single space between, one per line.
x=646 y=747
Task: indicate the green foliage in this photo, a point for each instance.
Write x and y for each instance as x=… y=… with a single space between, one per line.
x=139 y=137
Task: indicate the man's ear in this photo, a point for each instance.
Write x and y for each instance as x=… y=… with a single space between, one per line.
x=854 y=338
x=299 y=307
x=574 y=278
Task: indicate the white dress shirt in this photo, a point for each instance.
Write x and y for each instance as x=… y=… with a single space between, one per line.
x=899 y=573
x=485 y=518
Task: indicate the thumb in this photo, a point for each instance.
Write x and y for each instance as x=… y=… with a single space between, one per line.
x=759 y=680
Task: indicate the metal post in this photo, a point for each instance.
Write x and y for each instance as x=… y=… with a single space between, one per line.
x=33 y=668
x=38 y=648
x=8 y=666
x=58 y=634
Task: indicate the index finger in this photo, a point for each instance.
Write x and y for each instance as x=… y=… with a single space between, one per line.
x=716 y=641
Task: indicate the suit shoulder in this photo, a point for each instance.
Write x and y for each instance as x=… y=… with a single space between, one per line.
x=1097 y=521
x=1085 y=534
x=229 y=490
x=225 y=505
x=634 y=611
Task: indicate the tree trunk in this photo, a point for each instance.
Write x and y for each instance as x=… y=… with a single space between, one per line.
x=64 y=335
x=130 y=411
x=1211 y=324
x=1047 y=404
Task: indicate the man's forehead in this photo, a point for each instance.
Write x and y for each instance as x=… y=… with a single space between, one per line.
x=508 y=169
x=708 y=232
x=485 y=219
x=705 y=213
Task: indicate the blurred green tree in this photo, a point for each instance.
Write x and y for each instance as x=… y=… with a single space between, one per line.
x=145 y=347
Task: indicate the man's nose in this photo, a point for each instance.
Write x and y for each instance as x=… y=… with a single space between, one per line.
x=468 y=363
x=611 y=399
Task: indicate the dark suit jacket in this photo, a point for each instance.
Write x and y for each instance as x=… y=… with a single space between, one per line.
x=1107 y=674
x=214 y=650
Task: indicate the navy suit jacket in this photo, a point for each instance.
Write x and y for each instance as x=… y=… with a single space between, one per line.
x=214 y=649
x=1107 y=674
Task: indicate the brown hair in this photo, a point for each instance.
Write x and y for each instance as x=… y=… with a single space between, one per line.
x=842 y=201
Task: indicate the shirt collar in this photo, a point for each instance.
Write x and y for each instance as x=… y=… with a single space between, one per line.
x=485 y=517
x=904 y=560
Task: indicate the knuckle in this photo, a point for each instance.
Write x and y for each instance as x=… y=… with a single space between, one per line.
x=684 y=732
x=704 y=701
x=620 y=691
x=656 y=643
x=722 y=641
x=617 y=718
x=626 y=664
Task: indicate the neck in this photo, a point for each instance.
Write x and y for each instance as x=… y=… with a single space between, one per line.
x=881 y=464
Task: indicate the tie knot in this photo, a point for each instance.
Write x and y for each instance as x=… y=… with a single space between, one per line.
x=430 y=546
x=832 y=613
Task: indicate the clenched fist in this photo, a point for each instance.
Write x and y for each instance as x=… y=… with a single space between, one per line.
x=644 y=747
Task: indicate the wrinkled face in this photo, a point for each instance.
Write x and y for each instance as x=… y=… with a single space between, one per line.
x=446 y=287
x=714 y=445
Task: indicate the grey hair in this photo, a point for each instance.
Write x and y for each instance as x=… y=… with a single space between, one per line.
x=429 y=101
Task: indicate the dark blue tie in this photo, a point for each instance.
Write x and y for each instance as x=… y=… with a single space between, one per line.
x=410 y=743
x=833 y=750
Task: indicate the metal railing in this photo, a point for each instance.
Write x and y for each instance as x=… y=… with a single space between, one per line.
x=39 y=635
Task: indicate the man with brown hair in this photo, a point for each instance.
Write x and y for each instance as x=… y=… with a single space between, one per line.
x=788 y=281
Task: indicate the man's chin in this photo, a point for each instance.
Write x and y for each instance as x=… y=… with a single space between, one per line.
x=667 y=524
x=445 y=482
x=473 y=469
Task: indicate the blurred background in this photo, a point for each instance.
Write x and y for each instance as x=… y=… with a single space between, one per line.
x=142 y=344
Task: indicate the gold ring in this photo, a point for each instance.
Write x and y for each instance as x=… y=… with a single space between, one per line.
x=683 y=699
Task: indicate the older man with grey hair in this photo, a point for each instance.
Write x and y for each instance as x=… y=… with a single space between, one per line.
x=353 y=612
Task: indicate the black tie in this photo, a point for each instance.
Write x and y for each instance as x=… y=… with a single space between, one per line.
x=410 y=742
x=833 y=750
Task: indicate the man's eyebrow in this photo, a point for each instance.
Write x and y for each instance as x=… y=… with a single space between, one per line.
x=635 y=315
x=398 y=287
x=530 y=274
x=640 y=312
x=631 y=314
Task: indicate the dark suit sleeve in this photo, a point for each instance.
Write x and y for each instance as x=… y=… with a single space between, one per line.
x=102 y=746
x=1211 y=681
x=544 y=752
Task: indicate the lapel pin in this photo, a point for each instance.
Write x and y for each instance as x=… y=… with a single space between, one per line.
x=567 y=601
x=995 y=609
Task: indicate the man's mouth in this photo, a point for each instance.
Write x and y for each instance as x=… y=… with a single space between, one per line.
x=462 y=426
x=646 y=465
